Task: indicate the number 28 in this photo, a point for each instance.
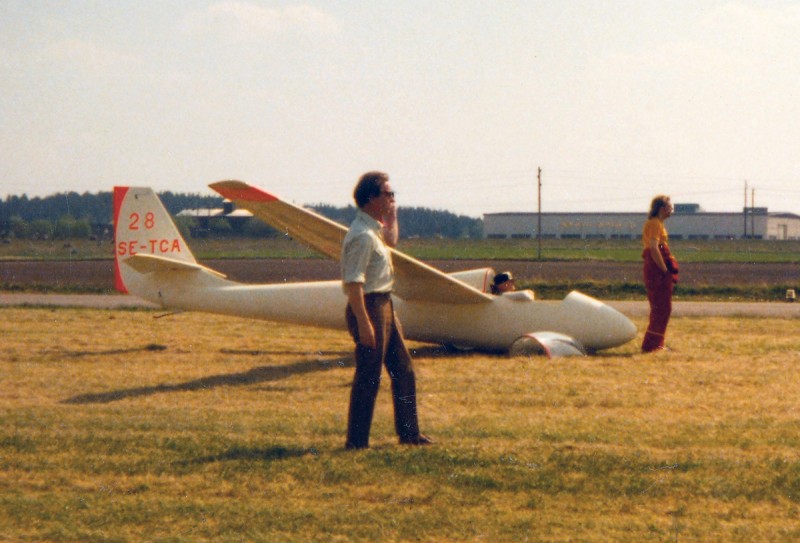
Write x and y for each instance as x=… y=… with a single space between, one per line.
x=135 y=219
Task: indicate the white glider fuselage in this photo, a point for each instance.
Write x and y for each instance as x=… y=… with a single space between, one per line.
x=154 y=263
x=492 y=326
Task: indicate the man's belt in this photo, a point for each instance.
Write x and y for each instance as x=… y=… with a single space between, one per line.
x=378 y=295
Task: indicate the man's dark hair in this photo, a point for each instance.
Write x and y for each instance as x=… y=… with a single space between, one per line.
x=369 y=187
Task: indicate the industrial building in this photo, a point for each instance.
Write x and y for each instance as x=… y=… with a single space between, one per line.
x=227 y=211
x=689 y=221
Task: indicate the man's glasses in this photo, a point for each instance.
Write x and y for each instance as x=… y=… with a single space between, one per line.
x=389 y=193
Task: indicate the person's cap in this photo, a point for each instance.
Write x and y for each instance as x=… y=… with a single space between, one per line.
x=502 y=277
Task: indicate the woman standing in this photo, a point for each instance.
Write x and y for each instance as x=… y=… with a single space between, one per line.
x=660 y=272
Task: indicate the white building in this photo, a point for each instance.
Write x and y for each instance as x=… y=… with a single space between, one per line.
x=688 y=222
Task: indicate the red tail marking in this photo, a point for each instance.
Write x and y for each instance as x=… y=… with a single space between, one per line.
x=250 y=194
x=119 y=197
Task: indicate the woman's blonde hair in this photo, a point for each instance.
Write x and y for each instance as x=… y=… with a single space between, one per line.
x=656 y=205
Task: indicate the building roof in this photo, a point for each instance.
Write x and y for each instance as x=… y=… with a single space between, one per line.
x=215 y=212
x=778 y=215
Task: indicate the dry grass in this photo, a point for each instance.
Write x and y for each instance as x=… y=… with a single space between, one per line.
x=120 y=427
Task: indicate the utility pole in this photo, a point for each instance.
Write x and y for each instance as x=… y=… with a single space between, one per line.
x=744 y=209
x=539 y=227
x=753 y=213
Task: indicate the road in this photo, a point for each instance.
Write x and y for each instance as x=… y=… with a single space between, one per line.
x=781 y=310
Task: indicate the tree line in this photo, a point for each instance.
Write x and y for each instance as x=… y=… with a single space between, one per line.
x=71 y=215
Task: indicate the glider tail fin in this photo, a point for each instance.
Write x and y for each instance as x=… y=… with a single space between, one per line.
x=143 y=226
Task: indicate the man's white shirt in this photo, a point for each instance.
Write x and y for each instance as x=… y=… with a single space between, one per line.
x=365 y=257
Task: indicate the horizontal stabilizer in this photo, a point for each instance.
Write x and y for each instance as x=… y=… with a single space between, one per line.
x=146 y=263
x=550 y=344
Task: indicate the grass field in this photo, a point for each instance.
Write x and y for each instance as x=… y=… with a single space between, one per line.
x=120 y=427
x=753 y=251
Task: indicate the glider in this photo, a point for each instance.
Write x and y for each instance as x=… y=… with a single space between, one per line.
x=153 y=262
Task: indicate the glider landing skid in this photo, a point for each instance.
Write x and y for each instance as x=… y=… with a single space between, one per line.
x=550 y=344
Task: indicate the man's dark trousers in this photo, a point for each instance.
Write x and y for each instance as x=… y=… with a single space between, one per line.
x=390 y=349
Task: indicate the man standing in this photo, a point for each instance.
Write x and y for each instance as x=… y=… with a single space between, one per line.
x=368 y=277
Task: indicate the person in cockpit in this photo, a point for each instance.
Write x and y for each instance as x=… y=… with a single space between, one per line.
x=503 y=282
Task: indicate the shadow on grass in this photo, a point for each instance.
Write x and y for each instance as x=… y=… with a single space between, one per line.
x=262 y=374
x=443 y=351
x=259 y=352
x=152 y=347
x=270 y=454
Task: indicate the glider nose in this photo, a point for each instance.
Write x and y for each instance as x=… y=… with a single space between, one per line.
x=619 y=329
x=602 y=326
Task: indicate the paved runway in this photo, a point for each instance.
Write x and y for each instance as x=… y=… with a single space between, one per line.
x=98 y=301
x=781 y=310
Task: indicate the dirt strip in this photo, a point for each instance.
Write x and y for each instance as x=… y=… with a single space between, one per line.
x=100 y=274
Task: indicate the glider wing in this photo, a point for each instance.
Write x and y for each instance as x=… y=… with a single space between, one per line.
x=414 y=280
x=305 y=226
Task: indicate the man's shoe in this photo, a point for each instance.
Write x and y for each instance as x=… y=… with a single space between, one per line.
x=417 y=440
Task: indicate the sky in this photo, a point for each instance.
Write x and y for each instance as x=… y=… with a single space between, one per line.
x=460 y=101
